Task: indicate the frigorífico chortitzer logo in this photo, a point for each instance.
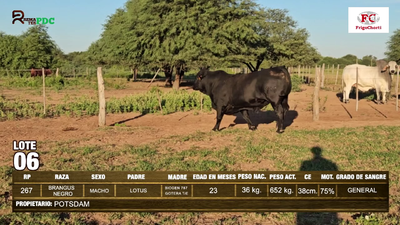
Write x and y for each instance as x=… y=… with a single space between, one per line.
x=368 y=20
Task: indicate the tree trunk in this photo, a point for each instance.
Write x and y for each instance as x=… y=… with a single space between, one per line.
x=182 y=73
x=135 y=73
x=168 y=75
x=177 y=78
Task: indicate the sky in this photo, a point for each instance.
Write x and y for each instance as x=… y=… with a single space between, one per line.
x=78 y=23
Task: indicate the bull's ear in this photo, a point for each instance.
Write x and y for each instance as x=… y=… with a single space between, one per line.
x=202 y=75
x=384 y=69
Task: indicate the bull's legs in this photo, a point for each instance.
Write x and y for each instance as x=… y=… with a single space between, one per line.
x=346 y=93
x=280 y=113
x=384 y=97
x=220 y=114
x=378 y=96
x=285 y=107
x=245 y=114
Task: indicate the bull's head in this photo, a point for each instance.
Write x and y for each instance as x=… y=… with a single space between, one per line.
x=199 y=84
x=391 y=67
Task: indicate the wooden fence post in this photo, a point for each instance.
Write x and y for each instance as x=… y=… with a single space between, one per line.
x=73 y=70
x=102 y=100
x=57 y=72
x=44 y=91
x=397 y=90
x=298 y=70
x=337 y=74
x=356 y=89
x=316 y=95
x=87 y=72
x=322 y=75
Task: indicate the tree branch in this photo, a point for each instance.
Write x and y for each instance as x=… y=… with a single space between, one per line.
x=249 y=66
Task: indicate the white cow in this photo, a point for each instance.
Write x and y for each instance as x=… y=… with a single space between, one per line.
x=369 y=77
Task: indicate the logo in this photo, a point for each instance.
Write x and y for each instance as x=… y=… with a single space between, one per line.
x=18 y=15
x=368 y=20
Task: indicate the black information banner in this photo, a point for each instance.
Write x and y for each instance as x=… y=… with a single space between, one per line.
x=240 y=191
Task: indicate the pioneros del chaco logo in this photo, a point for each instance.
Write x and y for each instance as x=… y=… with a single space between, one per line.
x=19 y=15
x=368 y=20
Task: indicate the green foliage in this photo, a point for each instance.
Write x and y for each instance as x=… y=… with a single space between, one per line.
x=393 y=47
x=214 y=33
x=296 y=83
x=60 y=83
x=57 y=83
x=348 y=59
x=33 y=49
x=289 y=44
x=149 y=102
x=10 y=51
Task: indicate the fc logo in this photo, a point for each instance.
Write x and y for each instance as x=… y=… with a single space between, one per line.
x=368 y=18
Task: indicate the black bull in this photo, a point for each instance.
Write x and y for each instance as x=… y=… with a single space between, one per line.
x=231 y=94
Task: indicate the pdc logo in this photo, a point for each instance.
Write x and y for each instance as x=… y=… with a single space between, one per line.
x=368 y=20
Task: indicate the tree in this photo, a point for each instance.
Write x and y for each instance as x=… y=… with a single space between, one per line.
x=119 y=41
x=187 y=33
x=10 y=51
x=96 y=53
x=368 y=60
x=284 y=43
x=393 y=47
x=38 y=48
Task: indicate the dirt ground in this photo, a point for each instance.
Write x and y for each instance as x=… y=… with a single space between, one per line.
x=335 y=114
x=152 y=127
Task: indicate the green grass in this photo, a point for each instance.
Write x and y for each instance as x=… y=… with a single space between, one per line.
x=364 y=148
x=59 y=83
x=149 y=102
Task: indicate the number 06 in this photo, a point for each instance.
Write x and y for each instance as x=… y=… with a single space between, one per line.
x=30 y=160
